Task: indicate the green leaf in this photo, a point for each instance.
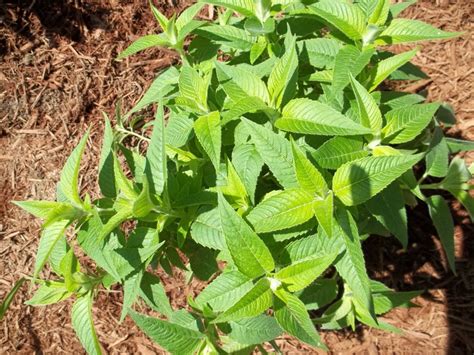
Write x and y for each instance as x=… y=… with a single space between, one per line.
x=179 y=129
x=352 y=266
x=240 y=84
x=396 y=9
x=208 y=133
x=49 y=293
x=358 y=181
x=153 y=293
x=458 y=175
x=459 y=145
x=68 y=266
x=466 y=199
x=339 y=150
x=405 y=124
x=10 y=296
x=187 y=16
x=106 y=164
x=312 y=117
x=324 y=212
x=174 y=338
x=248 y=251
x=299 y=275
x=253 y=303
x=350 y=60
x=347 y=18
x=443 y=221
x=257 y=49
x=275 y=151
x=388 y=207
x=255 y=330
x=387 y=66
x=437 y=159
x=143 y=205
x=83 y=324
x=319 y=52
x=155 y=168
x=165 y=83
x=68 y=184
x=225 y=291
x=369 y=112
x=244 y=7
x=285 y=209
x=194 y=88
x=40 y=209
x=407 y=30
x=290 y=312
x=49 y=237
x=284 y=76
x=234 y=188
x=319 y=294
x=207 y=230
x=248 y=164
x=308 y=176
x=143 y=43
x=227 y=35
x=131 y=289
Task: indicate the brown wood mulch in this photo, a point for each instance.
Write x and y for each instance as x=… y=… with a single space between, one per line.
x=57 y=72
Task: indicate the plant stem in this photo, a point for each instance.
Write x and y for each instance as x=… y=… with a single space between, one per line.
x=131 y=133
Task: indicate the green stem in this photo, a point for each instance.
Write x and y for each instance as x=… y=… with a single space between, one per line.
x=276 y=347
x=131 y=133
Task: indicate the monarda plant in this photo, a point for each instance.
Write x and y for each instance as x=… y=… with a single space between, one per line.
x=275 y=151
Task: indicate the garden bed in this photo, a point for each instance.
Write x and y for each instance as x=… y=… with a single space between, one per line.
x=57 y=72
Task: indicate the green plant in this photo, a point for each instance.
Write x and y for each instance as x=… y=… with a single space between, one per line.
x=273 y=155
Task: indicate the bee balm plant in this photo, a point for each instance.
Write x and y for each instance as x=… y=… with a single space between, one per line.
x=275 y=151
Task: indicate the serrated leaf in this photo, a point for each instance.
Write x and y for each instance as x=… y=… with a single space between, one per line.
x=459 y=145
x=225 y=291
x=153 y=293
x=256 y=301
x=244 y=7
x=352 y=265
x=405 y=30
x=208 y=132
x=106 y=164
x=49 y=237
x=308 y=176
x=248 y=251
x=458 y=175
x=299 y=275
x=405 y=124
x=257 y=49
x=255 y=330
x=156 y=160
x=143 y=43
x=40 y=209
x=283 y=210
x=187 y=16
x=83 y=324
x=339 y=150
x=68 y=183
x=290 y=312
x=193 y=89
x=68 y=266
x=143 y=205
x=165 y=83
x=227 y=35
x=319 y=52
x=349 y=60
x=319 y=294
x=387 y=66
x=347 y=18
x=324 y=213
x=358 y=181
x=312 y=117
x=388 y=207
x=174 y=338
x=275 y=151
x=234 y=188
x=248 y=164
x=437 y=159
x=369 y=112
x=131 y=289
x=240 y=84
x=443 y=221
x=207 y=230
x=284 y=76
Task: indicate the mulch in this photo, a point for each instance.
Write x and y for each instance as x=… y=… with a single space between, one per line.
x=57 y=73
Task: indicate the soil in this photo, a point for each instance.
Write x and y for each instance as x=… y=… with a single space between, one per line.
x=57 y=73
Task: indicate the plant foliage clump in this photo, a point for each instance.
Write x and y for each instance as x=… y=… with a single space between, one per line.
x=275 y=151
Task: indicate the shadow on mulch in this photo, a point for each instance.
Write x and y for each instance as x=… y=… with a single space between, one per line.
x=65 y=18
x=424 y=267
